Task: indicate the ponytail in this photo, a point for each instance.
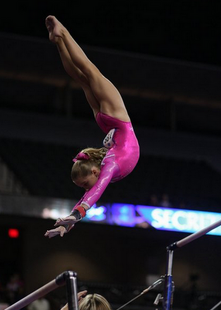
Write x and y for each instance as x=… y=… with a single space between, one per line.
x=85 y=160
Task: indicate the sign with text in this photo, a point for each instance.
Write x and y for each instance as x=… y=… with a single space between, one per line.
x=180 y=220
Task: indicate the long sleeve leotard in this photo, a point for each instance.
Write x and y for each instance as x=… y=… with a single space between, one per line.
x=120 y=159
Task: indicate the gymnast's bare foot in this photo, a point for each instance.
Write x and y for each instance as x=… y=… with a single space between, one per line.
x=55 y=28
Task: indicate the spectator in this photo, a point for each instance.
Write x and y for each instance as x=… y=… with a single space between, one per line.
x=154 y=200
x=39 y=304
x=14 y=288
x=165 y=201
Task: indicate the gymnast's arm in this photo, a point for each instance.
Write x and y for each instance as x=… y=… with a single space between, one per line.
x=64 y=225
x=93 y=195
x=108 y=170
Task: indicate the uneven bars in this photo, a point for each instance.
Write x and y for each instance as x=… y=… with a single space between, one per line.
x=216 y=306
x=50 y=286
x=156 y=283
x=194 y=236
x=167 y=300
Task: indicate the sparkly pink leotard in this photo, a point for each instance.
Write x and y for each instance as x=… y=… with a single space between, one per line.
x=120 y=159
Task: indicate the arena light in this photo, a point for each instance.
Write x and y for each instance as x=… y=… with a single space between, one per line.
x=13 y=233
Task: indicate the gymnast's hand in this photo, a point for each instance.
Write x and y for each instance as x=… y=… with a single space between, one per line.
x=81 y=296
x=68 y=221
x=61 y=230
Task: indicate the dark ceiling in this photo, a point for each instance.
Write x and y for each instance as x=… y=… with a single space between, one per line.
x=188 y=95
x=182 y=29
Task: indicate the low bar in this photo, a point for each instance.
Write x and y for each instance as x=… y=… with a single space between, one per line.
x=71 y=285
x=47 y=288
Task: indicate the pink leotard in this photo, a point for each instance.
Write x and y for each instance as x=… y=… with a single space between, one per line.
x=119 y=161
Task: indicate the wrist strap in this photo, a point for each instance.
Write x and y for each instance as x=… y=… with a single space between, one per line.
x=81 y=210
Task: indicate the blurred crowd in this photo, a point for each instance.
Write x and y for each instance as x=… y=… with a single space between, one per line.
x=13 y=290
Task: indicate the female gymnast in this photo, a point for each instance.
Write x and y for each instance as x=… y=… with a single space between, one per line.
x=94 y=169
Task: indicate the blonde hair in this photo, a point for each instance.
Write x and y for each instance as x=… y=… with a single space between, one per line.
x=94 y=302
x=82 y=167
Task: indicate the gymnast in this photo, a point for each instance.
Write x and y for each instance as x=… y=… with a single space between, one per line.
x=91 y=302
x=94 y=168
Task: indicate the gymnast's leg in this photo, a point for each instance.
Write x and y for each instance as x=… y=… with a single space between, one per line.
x=101 y=94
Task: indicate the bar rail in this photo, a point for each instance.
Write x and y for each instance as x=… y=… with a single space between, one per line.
x=59 y=281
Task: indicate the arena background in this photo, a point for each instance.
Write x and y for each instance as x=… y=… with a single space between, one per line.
x=164 y=57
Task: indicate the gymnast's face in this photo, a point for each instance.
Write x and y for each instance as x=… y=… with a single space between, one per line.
x=88 y=181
